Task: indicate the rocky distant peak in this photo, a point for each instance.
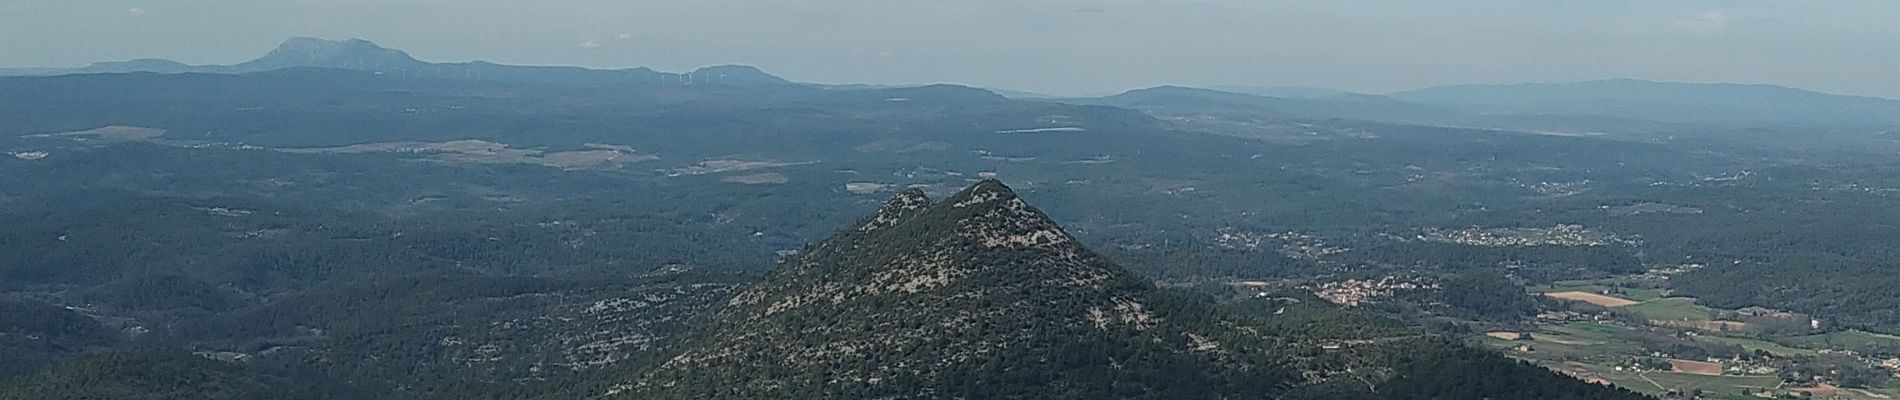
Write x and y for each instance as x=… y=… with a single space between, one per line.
x=314 y=52
x=733 y=69
x=910 y=202
x=318 y=48
x=305 y=42
x=367 y=56
x=743 y=75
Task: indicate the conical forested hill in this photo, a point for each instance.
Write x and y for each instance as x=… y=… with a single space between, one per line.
x=981 y=296
x=978 y=296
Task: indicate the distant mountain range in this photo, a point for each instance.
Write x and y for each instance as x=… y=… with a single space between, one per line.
x=1605 y=105
x=1673 y=102
x=1608 y=105
x=1342 y=105
x=1290 y=92
x=362 y=55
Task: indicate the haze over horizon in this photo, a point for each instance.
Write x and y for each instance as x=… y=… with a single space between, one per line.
x=1062 y=47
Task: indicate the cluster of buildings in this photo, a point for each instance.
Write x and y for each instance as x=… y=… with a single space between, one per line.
x=1294 y=245
x=1354 y=292
x=1560 y=235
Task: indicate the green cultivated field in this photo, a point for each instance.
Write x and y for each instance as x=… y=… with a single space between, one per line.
x=1770 y=347
x=1672 y=309
x=1623 y=286
x=1860 y=341
x=1595 y=347
x=1662 y=382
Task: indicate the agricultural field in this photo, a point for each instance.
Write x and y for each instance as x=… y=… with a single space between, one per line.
x=1593 y=298
x=1645 y=298
x=1777 y=349
x=1656 y=382
x=1695 y=367
x=1858 y=341
x=1631 y=288
x=1627 y=355
x=1672 y=309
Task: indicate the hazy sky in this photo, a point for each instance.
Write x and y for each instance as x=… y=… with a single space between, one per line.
x=1058 y=46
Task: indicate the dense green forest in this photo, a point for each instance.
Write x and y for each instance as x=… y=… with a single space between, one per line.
x=37 y=333
x=166 y=374
x=1448 y=371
